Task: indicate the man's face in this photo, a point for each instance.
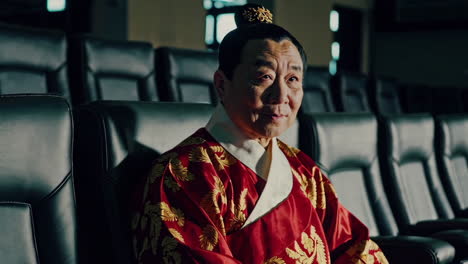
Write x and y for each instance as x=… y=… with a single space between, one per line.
x=265 y=92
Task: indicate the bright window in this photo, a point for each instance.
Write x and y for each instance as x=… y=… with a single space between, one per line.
x=334 y=20
x=56 y=5
x=219 y=20
x=332 y=67
x=209 y=30
x=225 y=23
x=335 y=50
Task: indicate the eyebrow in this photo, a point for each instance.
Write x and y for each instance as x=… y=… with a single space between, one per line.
x=268 y=64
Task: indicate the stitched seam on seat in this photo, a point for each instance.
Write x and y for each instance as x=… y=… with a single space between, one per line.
x=32 y=224
x=34 y=234
x=57 y=188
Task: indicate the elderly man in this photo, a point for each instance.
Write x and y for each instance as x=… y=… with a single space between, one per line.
x=232 y=192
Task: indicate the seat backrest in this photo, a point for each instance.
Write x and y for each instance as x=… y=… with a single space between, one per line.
x=37 y=205
x=452 y=157
x=350 y=92
x=384 y=97
x=32 y=61
x=409 y=169
x=317 y=92
x=111 y=70
x=116 y=143
x=185 y=75
x=345 y=146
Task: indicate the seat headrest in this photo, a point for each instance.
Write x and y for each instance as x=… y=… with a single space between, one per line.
x=31 y=48
x=453 y=131
x=411 y=136
x=35 y=143
x=133 y=59
x=337 y=150
x=155 y=125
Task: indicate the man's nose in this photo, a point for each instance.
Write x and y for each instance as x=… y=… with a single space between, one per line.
x=278 y=93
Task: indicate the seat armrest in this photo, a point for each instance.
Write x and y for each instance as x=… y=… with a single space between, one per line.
x=457 y=238
x=428 y=227
x=413 y=249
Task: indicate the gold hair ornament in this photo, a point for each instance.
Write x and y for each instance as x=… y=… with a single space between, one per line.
x=259 y=14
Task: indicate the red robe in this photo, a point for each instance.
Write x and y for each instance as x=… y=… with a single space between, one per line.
x=192 y=205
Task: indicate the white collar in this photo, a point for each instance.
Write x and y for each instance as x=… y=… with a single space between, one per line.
x=270 y=164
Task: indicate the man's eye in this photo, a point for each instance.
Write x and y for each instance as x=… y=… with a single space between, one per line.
x=294 y=79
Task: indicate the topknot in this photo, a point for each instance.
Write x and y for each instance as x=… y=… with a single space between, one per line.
x=253 y=14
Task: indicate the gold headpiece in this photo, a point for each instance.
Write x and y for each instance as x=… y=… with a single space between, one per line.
x=260 y=14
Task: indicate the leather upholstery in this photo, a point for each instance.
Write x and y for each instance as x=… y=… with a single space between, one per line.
x=345 y=145
x=350 y=92
x=112 y=70
x=413 y=184
x=116 y=143
x=37 y=204
x=317 y=91
x=409 y=160
x=384 y=96
x=185 y=75
x=32 y=61
x=452 y=156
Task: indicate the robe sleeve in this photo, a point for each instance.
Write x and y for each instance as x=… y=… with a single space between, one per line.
x=347 y=237
x=178 y=214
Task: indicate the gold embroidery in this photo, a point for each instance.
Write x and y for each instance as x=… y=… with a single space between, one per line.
x=191 y=141
x=321 y=196
x=288 y=151
x=167 y=156
x=209 y=238
x=151 y=213
x=170 y=255
x=135 y=221
x=171 y=215
x=275 y=260
x=171 y=184
x=156 y=172
x=199 y=155
x=309 y=187
x=361 y=253
x=210 y=203
x=223 y=158
x=314 y=246
x=179 y=171
x=176 y=234
x=238 y=211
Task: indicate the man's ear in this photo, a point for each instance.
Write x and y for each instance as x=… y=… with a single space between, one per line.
x=220 y=83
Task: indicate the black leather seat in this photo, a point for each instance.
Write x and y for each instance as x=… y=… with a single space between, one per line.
x=350 y=92
x=185 y=75
x=33 y=61
x=452 y=157
x=37 y=204
x=111 y=70
x=317 y=91
x=384 y=97
x=413 y=185
x=116 y=143
x=345 y=146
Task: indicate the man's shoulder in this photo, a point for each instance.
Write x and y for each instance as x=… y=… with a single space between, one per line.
x=199 y=139
x=294 y=153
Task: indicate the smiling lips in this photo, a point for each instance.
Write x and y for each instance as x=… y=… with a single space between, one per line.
x=274 y=116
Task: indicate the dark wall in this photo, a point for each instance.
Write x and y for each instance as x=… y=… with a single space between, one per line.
x=424 y=57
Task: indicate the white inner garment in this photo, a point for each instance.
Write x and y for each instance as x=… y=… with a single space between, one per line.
x=270 y=164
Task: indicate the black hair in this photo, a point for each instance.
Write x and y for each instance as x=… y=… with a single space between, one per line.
x=230 y=49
